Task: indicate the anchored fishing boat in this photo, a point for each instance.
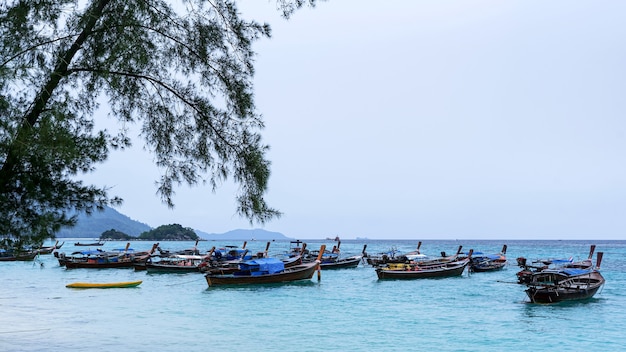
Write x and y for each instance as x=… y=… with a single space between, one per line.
x=565 y=284
x=333 y=260
x=90 y=244
x=430 y=269
x=488 y=262
x=265 y=271
x=98 y=259
x=524 y=275
x=180 y=263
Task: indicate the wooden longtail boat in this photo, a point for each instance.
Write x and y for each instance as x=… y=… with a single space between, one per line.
x=8 y=256
x=414 y=257
x=120 y=258
x=342 y=263
x=265 y=271
x=488 y=262
x=104 y=285
x=225 y=260
x=565 y=284
x=524 y=276
x=180 y=263
x=92 y=244
x=333 y=259
x=421 y=271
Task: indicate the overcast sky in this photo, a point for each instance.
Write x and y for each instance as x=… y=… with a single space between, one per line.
x=430 y=119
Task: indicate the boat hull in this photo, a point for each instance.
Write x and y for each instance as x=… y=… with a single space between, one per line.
x=24 y=257
x=295 y=273
x=94 y=244
x=104 y=285
x=560 y=295
x=351 y=262
x=87 y=265
x=417 y=272
x=164 y=268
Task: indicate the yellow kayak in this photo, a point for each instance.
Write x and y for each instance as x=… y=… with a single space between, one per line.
x=104 y=285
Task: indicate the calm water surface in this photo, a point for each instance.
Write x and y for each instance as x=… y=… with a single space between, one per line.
x=348 y=310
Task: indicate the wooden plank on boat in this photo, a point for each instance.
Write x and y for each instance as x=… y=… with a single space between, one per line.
x=104 y=285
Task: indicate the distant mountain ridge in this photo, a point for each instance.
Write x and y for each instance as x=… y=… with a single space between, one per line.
x=240 y=234
x=92 y=226
x=110 y=219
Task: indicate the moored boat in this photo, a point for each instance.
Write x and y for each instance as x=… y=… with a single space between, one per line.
x=265 y=271
x=406 y=271
x=12 y=256
x=226 y=261
x=270 y=270
x=181 y=263
x=524 y=275
x=488 y=262
x=342 y=263
x=333 y=260
x=565 y=284
x=91 y=244
x=390 y=256
x=99 y=259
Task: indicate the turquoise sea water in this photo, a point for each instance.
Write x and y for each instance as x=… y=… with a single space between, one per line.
x=347 y=310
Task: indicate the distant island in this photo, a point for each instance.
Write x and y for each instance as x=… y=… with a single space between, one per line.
x=111 y=224
x=172 y=232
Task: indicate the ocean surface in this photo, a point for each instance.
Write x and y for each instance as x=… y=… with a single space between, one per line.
x=347 y=310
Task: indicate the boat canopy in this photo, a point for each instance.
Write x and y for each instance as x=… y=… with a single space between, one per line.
x=557 y=261
x=574 y=271
x=262 y=266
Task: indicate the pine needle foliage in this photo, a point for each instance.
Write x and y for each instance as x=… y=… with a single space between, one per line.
x=181 y=70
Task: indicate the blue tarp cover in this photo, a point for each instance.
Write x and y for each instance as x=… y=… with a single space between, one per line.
x=574 y=272
x=263 y=265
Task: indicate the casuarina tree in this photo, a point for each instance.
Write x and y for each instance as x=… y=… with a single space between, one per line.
x=180 y=70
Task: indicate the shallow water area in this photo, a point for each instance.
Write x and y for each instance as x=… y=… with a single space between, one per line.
x=348 y=309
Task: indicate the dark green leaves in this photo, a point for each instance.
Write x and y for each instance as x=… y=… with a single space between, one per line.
x=181 y=70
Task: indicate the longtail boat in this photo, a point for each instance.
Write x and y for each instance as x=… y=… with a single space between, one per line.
x=265 y=271
x=11 y=256
x=528 y=269
x=565 y=284
x=335 y=261
x=488 y=262
x=180 y=263
x=98 y=259
x=430 y=269
x=92 y=244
